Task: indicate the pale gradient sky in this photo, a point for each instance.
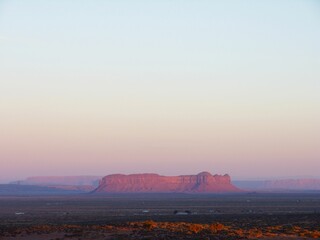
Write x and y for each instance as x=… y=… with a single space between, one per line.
x=172 y=87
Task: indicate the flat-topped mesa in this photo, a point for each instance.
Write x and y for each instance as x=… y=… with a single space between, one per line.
x=203 y=182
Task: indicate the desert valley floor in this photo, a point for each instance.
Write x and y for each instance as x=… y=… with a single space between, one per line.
x=161 y=216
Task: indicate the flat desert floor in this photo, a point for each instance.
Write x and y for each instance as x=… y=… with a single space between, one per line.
x=161 y=216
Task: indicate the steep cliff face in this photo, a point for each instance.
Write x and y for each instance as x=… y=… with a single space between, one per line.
x=201 y=183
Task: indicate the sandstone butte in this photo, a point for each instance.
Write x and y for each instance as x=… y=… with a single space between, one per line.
x=203 y=182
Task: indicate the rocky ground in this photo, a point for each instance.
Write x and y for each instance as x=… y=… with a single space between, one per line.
x=159 y=230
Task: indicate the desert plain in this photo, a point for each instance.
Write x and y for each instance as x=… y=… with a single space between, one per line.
x=161 y=216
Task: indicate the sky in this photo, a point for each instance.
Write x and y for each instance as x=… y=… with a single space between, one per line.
x=171 y=87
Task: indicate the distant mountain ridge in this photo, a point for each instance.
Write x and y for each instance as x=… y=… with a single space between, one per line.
x=65 y=183
x=30 y=190
x=280 y=184
x=203 y=182
x=61 y=181
x=307 y=184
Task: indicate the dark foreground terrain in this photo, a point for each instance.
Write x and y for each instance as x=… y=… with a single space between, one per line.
x=161 y=216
